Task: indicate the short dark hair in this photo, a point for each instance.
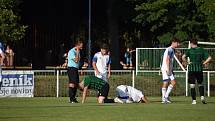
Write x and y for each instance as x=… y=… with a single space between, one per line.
x=174 y=39
x=78 y=41
x=194 y=41
x=104 y=46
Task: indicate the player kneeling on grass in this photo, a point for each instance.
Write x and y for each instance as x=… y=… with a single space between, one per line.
x=97 y=84
x=128 y=94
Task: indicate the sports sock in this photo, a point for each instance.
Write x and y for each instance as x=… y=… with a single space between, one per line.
x=193 y=93
x=75 y=91
x=201 y=90
x=108 y=100
x=169 y=89
x=71 y=93
x=163 y=92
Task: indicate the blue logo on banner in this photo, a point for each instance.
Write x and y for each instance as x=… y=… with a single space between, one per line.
x=17 y=80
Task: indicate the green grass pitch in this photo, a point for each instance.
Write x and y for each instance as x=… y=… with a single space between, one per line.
x=58 y=109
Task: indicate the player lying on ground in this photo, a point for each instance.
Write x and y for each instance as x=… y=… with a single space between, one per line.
x=128 y=94
x=97 y=84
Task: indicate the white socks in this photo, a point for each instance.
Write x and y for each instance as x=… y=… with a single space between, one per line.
x=163 y=93
x=169 y=89
x=202 y=98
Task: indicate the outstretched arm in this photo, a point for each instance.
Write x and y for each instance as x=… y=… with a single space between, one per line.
x=84 y=94
x=145 y=99
x=109 y=71
x=95 y=68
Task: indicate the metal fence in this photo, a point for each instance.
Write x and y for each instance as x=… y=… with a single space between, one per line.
x=54 y=83
x=151 y=58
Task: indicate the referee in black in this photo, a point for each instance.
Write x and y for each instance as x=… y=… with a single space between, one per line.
x=73 y=65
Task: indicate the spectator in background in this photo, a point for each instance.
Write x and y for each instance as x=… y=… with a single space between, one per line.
x=9 y=56
x=64 y=65
x=61 y=57
x=128 y=58
x=85 y=64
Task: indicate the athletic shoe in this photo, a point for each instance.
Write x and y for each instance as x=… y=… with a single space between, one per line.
x=167 y=100
x=117 y=100
x=73 y=101
x=193 y=102
x=203 y=101
x=163 y=101
x=129 y=101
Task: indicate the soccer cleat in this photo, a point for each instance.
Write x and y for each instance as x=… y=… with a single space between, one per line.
x=167 y=100
x=203 y=101
x=73 y=101
x=163 y=101
x=117 y=100
x=129 y=101
x=193 y=102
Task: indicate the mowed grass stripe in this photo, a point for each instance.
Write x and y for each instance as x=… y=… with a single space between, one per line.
x=58 y=109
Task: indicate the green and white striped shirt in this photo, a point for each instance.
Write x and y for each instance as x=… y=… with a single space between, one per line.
x=197 y=56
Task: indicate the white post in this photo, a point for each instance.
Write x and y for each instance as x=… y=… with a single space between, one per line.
x=188 y=59
x=133 y=78
x=136 y=61
x=182 y=67
x=186 y=82
x=57 y=84
x=208 y=83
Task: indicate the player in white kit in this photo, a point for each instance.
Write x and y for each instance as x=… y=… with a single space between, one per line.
x=129 y=94
x=102 y=63
x=167 y=71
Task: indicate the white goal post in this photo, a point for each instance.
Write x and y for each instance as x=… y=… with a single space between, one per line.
x=149 y=60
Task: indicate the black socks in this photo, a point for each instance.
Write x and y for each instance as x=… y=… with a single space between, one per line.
x=193 y=93
x=201 y=90
x=72 y=93
x=108 y=100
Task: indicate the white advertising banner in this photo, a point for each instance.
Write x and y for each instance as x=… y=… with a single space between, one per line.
x=17 y=84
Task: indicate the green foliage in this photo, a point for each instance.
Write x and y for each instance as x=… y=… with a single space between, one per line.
x=10 y=29
x=179 y=18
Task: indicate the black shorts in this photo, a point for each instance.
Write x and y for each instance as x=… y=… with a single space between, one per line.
x=73 y=75
x=104 y=90
x=195 y=76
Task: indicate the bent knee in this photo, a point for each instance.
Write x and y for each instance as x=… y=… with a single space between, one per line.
x=173 y=82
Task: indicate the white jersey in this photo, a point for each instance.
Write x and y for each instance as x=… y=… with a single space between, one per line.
x=1 y=51
x=102 y=62
x=168 y=52
x=124 y=91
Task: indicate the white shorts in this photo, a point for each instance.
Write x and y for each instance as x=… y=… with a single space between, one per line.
x=167 y=77
x=102 y=76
